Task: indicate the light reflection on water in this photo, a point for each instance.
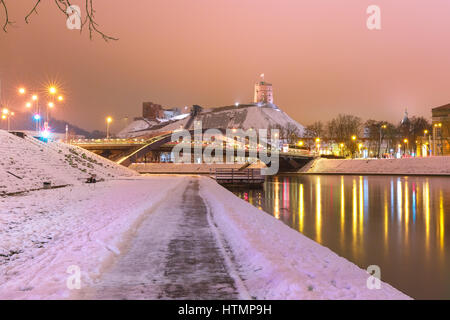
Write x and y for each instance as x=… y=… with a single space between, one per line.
x=398 y=223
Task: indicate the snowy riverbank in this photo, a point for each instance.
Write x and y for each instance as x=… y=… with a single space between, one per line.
x=44 y=232
x=404 y=166
x=281 y=263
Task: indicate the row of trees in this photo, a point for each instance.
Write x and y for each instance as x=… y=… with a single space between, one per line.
x=349 y=131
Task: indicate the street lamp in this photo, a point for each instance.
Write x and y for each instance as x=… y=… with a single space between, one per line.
x=6 y=115
x=22 y=90
x=52 y=90
x=379 y=146
x=108 y=121
x=406 y=145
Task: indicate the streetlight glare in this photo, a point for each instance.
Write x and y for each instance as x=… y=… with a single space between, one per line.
x=51 y=104
x=353 y=137
x=5 y=111
x=28 y=104
x=22 y=90
x=34 y=97
x=60 y=98
x=109 y=119
x=52 y=90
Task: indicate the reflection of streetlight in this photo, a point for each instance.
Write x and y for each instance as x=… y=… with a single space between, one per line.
x=108 y=121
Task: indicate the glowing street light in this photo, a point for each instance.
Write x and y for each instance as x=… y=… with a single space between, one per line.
x=22 y=90
x=51 y=104
x=353 y=137
x=52 y=90
x=34 y=97
x=300 y=143
x=6 y=115
x=28 y=105
x=108 y=122
x=60 y=98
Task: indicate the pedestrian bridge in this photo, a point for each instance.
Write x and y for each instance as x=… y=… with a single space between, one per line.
x=128 y=151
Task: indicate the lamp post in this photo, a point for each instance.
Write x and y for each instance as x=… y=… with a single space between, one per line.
x=379 y=146
x=6 y=115
x=108 y=121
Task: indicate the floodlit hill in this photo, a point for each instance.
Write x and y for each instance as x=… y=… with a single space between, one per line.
x=26 y=163
x=229 y=117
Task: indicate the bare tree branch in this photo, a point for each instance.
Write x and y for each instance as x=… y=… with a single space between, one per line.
x=32 y=10
x=7 y=21
x=88 y=22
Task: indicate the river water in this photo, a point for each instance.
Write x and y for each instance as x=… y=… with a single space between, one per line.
x=401 y=224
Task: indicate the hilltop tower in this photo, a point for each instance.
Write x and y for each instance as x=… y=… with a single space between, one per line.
x=263 y=92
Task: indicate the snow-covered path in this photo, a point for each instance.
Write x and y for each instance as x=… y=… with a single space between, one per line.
x=175 y=254
x=168 y=237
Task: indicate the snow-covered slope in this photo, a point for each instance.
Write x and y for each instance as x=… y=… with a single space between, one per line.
x=25 y=164
x=244 y=117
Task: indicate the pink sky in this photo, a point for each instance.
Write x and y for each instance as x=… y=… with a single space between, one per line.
x=319 y=55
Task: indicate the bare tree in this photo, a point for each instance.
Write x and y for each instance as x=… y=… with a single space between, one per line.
x=342 y=128
x=88 y=22
x=315 y=130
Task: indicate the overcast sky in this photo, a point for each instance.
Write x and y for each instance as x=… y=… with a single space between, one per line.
x=319 y=55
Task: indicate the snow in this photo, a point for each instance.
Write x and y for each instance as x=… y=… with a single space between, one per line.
x=44 y=232
x=278 y=262
x=240 y=118
x=25 y=164
x=91 y=226
x=404 y=166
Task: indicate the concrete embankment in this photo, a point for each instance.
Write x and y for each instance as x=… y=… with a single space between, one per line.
x=183 y=168
x=404 y=166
